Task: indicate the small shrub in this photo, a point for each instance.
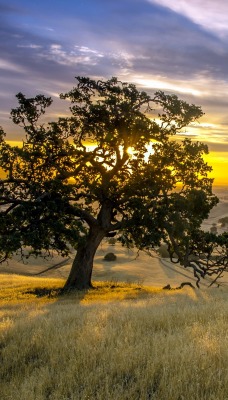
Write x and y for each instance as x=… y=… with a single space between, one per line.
x=110 y=257
x=214 y=229
x=112 y=241
x=163 y=251
x=223 y=221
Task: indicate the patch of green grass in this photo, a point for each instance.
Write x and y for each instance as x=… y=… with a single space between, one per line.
x=15 y=288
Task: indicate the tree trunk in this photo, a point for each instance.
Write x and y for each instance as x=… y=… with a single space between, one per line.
x=81 y=270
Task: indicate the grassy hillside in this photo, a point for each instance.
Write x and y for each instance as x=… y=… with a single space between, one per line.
x=117 y=342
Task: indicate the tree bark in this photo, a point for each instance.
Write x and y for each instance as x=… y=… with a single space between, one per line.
x=81 y=270
x=82 y=267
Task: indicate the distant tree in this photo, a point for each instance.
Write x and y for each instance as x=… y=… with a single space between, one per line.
x=223 y=221
x=214 y=228
x=88 y=176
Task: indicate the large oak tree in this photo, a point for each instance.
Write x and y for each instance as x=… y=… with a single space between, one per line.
x=89 y=175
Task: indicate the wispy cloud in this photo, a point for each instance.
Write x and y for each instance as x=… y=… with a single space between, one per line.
x=85 y=49
x=11 y=67
x=29 y=46
x=211 y=15
x=163 y=84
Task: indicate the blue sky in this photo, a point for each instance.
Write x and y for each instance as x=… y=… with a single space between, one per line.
x=177 y=46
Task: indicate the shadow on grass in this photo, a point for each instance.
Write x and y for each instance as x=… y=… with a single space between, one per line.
x=57 y=293
x=99 y=292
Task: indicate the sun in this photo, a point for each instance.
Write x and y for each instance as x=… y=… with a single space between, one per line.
x=149 y=151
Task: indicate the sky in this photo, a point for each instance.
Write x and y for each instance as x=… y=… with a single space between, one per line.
x=178 y=46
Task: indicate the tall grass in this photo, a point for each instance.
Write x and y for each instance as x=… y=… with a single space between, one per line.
x=116 y=342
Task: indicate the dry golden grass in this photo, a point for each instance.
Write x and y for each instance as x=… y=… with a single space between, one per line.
x=117 y=342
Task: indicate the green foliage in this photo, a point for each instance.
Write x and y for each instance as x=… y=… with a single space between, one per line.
x=29 y=110
x=75 y=180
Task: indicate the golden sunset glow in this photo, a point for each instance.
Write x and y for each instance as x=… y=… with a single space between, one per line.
x=163 y=84
x=13 y=143
x=219 y=163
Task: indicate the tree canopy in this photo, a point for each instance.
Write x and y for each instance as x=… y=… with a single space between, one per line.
x=89 y=175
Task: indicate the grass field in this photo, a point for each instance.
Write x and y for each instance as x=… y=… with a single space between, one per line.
x=116 y=342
